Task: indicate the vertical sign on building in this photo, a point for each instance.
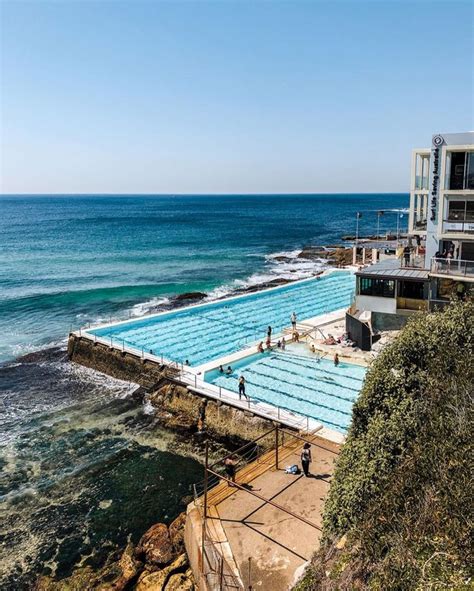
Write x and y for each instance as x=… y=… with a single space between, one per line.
x=432 y=242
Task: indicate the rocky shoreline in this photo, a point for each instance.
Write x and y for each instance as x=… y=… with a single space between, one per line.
x=159 y=560
x=157 y=563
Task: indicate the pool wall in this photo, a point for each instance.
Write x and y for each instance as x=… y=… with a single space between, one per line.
x=88 y=347
x=177 y=404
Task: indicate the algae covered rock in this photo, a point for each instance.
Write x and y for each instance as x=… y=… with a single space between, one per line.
x=155 y=546
x=158 y=580
x=176 y=531
x=179 y=582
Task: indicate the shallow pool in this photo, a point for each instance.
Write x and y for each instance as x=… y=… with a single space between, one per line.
x=300 y=382
x=202 y=333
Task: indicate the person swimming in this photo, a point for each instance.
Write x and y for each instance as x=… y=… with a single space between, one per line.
x=229 y=370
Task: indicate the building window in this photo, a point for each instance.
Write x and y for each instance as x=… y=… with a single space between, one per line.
x=456 y=210
x=422 y=171
x=411 y=289
x=384 y=288
x=461 y=170
x=470 y=210
x=460 y=210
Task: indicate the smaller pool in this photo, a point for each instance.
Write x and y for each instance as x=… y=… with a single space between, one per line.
x=299 y=381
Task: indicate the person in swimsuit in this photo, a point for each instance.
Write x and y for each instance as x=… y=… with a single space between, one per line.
x=242 y=387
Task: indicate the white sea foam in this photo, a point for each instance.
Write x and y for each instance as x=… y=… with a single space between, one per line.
x=279 y=265
x=26 y=348
x=289 y=254
x=148 y=306
x=121 y=387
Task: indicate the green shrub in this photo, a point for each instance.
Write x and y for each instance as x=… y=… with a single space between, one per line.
x=402 y=489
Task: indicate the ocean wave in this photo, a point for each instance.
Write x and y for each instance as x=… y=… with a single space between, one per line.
x=149 y=306
x=21 y=349
x=285 y=265
x=289 y=254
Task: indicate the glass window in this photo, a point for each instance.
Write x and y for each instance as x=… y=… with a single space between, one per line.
x=384 y=288
x=458 y=161
x=470 y=211
x=470 y=171
x=411 y=289
x=456 y=210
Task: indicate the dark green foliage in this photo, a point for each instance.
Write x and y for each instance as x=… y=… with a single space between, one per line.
x=402 y=490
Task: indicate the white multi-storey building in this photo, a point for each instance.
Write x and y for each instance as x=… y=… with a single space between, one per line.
x=437 y=262
x=442 y=196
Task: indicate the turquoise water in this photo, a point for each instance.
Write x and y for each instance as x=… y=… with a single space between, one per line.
x=300 y=383
x=201 y=334
x=69 y=260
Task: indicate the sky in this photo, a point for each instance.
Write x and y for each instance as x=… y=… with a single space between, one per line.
x=228 y=96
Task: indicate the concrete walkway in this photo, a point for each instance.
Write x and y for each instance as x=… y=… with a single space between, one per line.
x=277 y=543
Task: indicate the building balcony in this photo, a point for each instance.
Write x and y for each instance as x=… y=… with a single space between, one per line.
x=454 y=268
x=458 y=226
x=412 y=261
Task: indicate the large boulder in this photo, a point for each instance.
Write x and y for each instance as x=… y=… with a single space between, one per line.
x=179 y=582
x=155 y=546
x=158 y=580
x=152 y=581
x=176 y=532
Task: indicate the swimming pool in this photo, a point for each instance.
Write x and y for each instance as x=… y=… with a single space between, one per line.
x=206 y=332
x=299 y=382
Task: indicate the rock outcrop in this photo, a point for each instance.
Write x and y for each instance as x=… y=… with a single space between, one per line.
x=158 y=563
x=155 y=546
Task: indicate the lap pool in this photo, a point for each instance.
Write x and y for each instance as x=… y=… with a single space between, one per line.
x=299 y=382
x=206 y=332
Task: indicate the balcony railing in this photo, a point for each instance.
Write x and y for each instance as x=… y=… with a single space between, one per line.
x=452 y=267
x=458 y=226
x=413 y=261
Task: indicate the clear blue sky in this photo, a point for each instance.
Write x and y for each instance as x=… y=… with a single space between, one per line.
x=196 y=97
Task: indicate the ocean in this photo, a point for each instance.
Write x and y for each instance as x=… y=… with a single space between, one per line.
x=84 y=466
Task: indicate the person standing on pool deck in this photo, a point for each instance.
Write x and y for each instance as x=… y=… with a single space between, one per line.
x=230 y=464
x=242 y=388
x=293 y=320
x=306 y=458
x=283 y=343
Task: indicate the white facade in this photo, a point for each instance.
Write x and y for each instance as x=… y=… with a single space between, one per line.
x=442 y=196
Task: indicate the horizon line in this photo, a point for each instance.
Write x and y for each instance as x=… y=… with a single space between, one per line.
x=57 y=194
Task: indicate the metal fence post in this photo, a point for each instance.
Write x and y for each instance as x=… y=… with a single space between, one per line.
x=221 y=574
x=276 y=446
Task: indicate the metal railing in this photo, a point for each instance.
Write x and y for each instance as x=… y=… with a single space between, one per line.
x=265 y=410
x=452 y=267
x=217 y=572
x=413 y=261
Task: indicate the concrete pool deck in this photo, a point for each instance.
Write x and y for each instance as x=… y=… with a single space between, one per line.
x=278 y=544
